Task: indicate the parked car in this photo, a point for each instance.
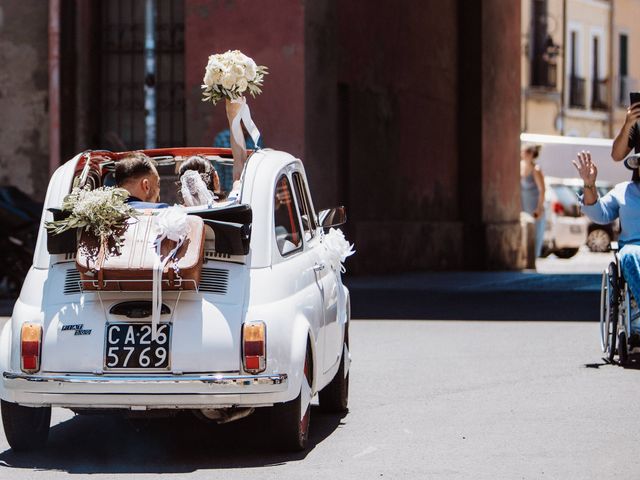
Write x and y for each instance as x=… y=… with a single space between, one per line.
x=19 y=222
x=598 y=236
x=267 y=328
x=566 y=227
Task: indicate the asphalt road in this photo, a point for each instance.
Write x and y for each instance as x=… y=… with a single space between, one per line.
x=429 y=399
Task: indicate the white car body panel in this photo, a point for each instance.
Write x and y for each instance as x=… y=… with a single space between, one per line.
x=296 y=296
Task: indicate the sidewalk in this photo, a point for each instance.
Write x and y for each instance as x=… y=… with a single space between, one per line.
x=476 y=296
x=468 y=296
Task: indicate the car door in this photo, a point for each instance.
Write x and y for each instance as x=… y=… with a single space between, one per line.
x=331 y=331
x=297 y=259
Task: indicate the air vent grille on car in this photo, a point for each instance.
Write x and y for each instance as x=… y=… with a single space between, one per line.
x=214 y=280
x=72 y=282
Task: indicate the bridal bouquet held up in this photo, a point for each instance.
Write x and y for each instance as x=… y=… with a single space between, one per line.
x=229 y=76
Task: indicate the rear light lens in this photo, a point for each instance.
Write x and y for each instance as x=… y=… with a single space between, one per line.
x=558 y=209
x=30 y=343
x=254 y=347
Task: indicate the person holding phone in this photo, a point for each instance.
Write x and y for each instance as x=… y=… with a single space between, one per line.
x=629 y=135
x=532 y=190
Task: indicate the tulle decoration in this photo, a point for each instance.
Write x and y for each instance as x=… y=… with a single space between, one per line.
x=172 y=223
x=337 y=248
x=194 y=191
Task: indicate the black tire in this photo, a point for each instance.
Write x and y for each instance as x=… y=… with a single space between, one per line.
x=293 y=432
x=566 y=252
x=623 y=352
x=334 y=398
x=26 y=428
x=613 y=312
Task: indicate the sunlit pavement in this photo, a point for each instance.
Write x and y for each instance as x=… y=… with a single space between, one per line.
x=584 y=261
x=429 y=399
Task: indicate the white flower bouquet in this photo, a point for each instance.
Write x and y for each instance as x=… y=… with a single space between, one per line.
x=103 y=212
x=230 y=75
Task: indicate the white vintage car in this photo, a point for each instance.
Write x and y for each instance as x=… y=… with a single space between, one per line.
x=268 y=326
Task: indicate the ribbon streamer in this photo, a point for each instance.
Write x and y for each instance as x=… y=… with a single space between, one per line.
x=244 y=115
x=238 y=113
x=158 y=269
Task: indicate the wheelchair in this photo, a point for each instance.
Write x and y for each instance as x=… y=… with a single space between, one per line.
x=615 y=312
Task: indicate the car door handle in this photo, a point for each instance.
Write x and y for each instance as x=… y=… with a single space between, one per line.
x=318 y=267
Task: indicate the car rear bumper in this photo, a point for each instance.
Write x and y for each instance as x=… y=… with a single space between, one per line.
x=144 y=391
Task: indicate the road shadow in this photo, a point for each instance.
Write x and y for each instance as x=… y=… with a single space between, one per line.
x=181 y=444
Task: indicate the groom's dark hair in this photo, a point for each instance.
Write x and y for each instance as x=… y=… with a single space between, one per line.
x=132 y=167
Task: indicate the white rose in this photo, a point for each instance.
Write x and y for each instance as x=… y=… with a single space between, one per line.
x=238 y=70
x=208 y=77
x=242 y=84
x=216 y=77
x=251 y=69
x=228 y=80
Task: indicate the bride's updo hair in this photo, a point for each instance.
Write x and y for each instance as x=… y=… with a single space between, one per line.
x=200 y=165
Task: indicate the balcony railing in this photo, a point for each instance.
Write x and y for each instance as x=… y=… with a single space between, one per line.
x=577 y=95
x=544 y=74
x=599 y=95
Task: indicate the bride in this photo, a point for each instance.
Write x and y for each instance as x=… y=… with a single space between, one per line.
x=199 y=182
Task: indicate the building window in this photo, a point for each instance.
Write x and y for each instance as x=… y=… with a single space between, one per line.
x=624 y=86
x=544 y=51
x=598 y=85
x=142 y=57
x=577 y=97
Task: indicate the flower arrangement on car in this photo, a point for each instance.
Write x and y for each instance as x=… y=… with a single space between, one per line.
x=102 y=212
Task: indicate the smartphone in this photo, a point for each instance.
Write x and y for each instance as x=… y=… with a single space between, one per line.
x=634 y=97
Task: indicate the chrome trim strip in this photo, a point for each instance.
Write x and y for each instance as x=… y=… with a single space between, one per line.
x=233 y=380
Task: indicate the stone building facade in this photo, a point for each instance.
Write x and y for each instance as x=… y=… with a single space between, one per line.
x=408 y=114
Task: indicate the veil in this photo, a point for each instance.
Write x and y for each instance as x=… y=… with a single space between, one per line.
x=194 y=191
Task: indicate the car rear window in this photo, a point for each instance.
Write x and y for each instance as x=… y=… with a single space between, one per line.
x=566 y=196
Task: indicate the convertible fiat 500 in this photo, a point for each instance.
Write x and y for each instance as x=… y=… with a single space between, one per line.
x=264 y=326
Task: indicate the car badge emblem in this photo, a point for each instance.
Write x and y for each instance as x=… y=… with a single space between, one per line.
x=77 y=328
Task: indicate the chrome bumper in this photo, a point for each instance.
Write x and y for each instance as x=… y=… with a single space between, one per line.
x=150 y=391
x=231 y=380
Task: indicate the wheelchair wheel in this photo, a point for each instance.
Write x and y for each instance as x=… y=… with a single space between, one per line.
x=609 y=311
x=623 y=349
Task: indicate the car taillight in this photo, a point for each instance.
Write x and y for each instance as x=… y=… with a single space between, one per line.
x=254 y=337
x=30 y=340
x=558 y=209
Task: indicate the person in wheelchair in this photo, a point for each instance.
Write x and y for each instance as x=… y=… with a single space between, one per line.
x=622 y=202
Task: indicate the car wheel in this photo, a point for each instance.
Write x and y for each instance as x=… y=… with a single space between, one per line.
x=598 y=240
x=334 y=398
x=290 y=420
x=566 y=252
x=26 y=428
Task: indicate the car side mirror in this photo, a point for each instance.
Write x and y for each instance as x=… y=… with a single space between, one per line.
x=332 y=217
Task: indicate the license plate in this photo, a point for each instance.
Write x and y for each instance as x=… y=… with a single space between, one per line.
x=575 y=229
x=130 y=346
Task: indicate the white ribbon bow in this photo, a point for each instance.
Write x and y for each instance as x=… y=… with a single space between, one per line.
x=171 y=223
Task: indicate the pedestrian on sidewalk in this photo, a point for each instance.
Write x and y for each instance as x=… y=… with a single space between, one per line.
x=532 y=190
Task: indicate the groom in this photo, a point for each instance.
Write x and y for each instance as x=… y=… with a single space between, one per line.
x=138 y=175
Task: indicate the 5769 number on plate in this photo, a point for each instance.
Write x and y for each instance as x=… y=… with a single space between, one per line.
x=129 y=345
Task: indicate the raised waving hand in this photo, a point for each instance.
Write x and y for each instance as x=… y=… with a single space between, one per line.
x=588 y=172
